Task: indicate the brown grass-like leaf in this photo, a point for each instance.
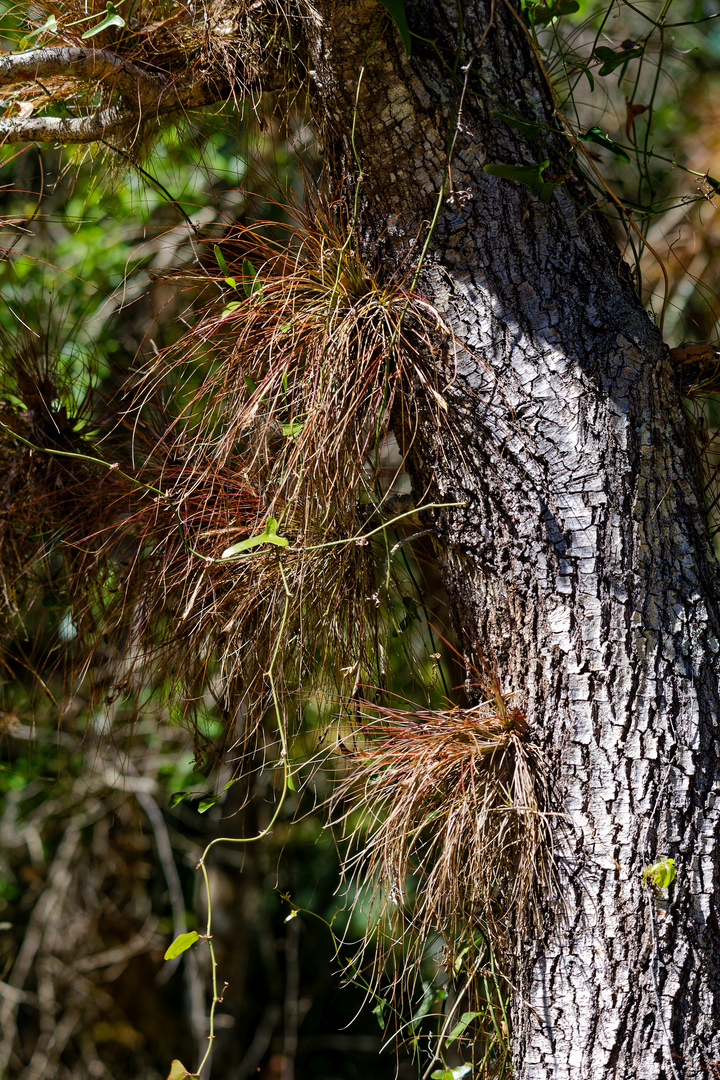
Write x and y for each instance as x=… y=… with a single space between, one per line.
x=446 y=816
x=157 y=562
x=318 y=356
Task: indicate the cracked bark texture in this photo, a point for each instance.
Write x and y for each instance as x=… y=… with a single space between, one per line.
x=581 y=561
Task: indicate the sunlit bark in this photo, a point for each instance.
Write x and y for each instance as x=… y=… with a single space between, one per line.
x=581 y=564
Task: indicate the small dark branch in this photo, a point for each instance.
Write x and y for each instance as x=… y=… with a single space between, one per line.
x=87 y=65
x=85 y=129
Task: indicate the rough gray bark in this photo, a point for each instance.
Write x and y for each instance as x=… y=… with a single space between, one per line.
x=582 y=562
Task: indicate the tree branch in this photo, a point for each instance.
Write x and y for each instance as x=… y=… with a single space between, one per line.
x=87 y=65
x=142 y=95
x=83 y=129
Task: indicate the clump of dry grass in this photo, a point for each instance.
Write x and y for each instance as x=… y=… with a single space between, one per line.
x=223 y=531
x=158 y=558
x=447 y=824
x=319 y=355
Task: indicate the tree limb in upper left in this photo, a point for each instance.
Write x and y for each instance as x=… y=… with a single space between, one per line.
x=135 y=79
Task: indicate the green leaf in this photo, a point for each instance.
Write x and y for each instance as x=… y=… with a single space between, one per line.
x=465 y=1019
x=586 y=71
x=181 y=944
x=177 y=797
x=231 y=282
x=548 y=189
x=612 y=59
x=532 y=132
x=250 y=279
x=205 y=804
x=542 y=14
x=441 y=1074
x=595 y=135
x=379 y=1012
x=49 y=26
x=661 y=874
x=111 y=19
x=178 y=1071
x=220 y=259
x=292 y=429
x=424 y=1007
x=396 y=11
x=530 y=175
x=229 y=307
x=268 y=536
x=291 y=783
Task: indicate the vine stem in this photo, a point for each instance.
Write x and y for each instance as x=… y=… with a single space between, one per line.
x=114 y=467
x=207 y=936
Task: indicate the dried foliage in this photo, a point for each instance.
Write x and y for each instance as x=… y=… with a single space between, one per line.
x=223 y=529
x=318 y=356
x=144 y=558
x=446 y=814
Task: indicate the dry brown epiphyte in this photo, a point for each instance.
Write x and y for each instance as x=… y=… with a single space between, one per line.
x=317 y=356
x=447 y=825
x=233 y=525
x=167 y=570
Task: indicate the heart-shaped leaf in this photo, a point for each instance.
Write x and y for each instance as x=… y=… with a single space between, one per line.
x=612 y=59
x=532 y=132
x=205 y=804
x=112 y=18
x=178 y=1071
x=269 y=535
x=530 y=175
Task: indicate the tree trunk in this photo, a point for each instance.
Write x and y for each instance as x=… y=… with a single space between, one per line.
x=581 y=562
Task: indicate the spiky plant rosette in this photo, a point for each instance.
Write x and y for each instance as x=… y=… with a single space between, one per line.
x=168 y=571
x=444 y=811
x=220 y=586
x=314 y=344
